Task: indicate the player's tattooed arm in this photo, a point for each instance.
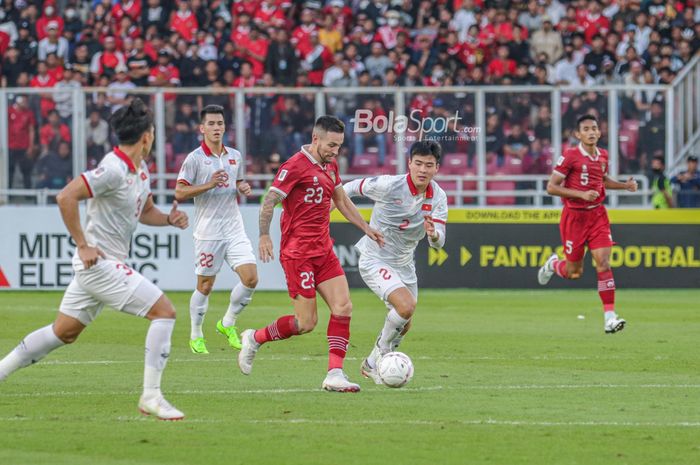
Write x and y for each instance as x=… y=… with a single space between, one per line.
x=266 y=211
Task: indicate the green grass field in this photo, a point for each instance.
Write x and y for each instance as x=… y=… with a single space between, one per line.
x=501 y=377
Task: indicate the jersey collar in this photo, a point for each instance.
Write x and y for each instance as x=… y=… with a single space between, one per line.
x=209 y=153
x=125 y=158
x=306 y=152
x=414 y=190
x=583 y=151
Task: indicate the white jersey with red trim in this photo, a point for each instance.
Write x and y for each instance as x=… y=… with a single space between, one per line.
x=399 y=212
x=118 y=193
x=216 y=213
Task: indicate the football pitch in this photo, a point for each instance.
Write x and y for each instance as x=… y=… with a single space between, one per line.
x=501 y=377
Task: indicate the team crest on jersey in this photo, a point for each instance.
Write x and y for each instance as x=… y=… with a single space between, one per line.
x=315 y=180
x=143 y=176
x=232 y=162
x=427 y=207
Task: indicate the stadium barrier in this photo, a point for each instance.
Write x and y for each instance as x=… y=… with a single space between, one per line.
x=485 y=249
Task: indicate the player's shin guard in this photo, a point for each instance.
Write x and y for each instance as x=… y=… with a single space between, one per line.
x=33 y=348
x=606 y=291
x=559 y=267
x=157 y=353
x=240 y=297
x=283 y=328
x=338 y=338
x=393 y=326
x=198 y=308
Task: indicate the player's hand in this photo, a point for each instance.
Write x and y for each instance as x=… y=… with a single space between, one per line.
x=218 y=178
x=589 y=196
x=244 y=188
x=265 y=248
x=177 y=217
x=89 y=255
x=375 y=235
x=631 y=185
x=429 y=226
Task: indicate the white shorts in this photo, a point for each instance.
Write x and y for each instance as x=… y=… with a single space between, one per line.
x=111 y=283
x=210 y=255
x=384 y=279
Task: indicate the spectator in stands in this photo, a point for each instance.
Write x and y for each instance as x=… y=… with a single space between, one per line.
x=531 y=19
x=156 y=14
x=118 y=90
x=186 y=129
x=165 y=74
x=494 y=135
x=53 y=132
x=97 y=138
x=502 y=65
x=377 y=63
x=378 y=138
x=652 y=137
x=688 y=182
x=565 y=70
x=64 y=100
x=48 y=20
x=517 y=143
x=21 y=124
x=106 y=61
x=281 y=62
x=26 y=44
x=608 y=75
x=583 y=79
x=661 y=193
x=55 y=169
x=12 y=67
x=53 y=43
x=44 y=80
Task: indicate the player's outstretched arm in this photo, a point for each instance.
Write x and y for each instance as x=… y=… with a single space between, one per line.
x=350 y=211
x=184 y=191
x=68 y=200
x=152 y=216
x=266 y=212
x=554 y=187
x=629 y=185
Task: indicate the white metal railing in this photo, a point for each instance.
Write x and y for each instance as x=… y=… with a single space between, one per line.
x=675 y=142
x=686 y=125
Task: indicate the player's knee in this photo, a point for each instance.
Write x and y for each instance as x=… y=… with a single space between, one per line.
x=205 y=287
x=163 y=309
x=250 y=281
x=343 y=309
x=603 y=265
x=406 y=309
x=306 y=325
x=68 y=337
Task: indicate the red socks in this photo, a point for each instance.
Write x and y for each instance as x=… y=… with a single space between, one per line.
x=606 y=290
x=338 y=337
x=560 y=268
x=284 y=328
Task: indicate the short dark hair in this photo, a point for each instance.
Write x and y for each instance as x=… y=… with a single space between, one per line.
x=661 y=159
x=426 y=148
x=586 y=117
x=211 y=110
x=131 y=121
x=329 y=124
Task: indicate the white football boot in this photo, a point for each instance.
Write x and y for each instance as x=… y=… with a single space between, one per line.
x=545 y=273
x=160 y=408
x=369 y=372
x=249 y=347
x=614 y=325
x=337 y=381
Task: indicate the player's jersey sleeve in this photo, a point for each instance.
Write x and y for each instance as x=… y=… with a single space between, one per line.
x=188 y=171
x=102 y=180
x=374 y=188
x=239 y=165
x=564 y=165
x=440 y=221
x=287 y=177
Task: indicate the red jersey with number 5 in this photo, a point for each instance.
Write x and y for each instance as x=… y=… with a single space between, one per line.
x=307 y=187
x=583 y=172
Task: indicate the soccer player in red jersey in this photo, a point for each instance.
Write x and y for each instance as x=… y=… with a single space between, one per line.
x=580 y=178
x=305 y=184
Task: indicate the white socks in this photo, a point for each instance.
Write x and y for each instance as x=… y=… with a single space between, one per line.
x=240 y=297
x=393 y=325
x=157 y=353
x=33 y=348
x=198 y=308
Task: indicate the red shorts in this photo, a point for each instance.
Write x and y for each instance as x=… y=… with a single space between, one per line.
x=304 y=274
x=581 y=227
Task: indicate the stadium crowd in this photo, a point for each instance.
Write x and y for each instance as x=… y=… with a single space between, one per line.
x=340 y=43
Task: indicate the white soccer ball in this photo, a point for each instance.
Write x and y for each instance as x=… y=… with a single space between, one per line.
x=395 y=369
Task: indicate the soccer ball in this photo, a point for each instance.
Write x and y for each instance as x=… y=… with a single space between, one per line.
x=395 y=369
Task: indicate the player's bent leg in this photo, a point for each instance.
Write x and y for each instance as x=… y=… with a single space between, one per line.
x=39 y=343
x=336 y=292
x=199 y=304
x=241 y=296
x=606 y=290
x=152 y=402
x=574 y=269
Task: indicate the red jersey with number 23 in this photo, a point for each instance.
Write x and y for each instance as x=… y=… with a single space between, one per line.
x=583 y=172
x=307 y=187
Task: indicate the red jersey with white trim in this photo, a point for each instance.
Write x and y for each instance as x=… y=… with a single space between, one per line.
x=583 y=172
x=307 y=187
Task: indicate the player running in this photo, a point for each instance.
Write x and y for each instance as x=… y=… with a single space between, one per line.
x=118 y=197
x=581 y=178
x=406 y=209
x=305 y=185
x=218 y=226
